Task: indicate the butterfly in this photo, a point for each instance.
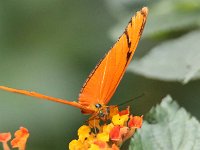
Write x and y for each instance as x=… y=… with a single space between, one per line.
x=105 y=78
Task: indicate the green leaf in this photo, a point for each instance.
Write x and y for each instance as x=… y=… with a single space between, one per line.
x=167 y=127
x=165 y=16
x=174 y=60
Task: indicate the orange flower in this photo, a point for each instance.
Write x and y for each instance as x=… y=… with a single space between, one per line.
x=124 y=112
x=115 y=147
x=135 y=122
x=109 y=134
x=20 y=139
x=4 y=138
x=123 y=131
x=115 y=133
x=113 y=111
x=118 y=134
x=101 y=144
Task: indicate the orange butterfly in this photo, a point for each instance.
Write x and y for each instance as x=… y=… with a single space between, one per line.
x=104 y=79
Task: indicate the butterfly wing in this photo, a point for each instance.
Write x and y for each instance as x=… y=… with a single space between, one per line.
x=104 y=79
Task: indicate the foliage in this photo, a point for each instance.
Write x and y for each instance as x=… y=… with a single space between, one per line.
x=167 y=126
x=173 y=60
x=165 y=16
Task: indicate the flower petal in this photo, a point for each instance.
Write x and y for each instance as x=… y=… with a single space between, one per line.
x=107 y=128
x=83 y=132
x=101 y=144
x=119 y=120
x=115 y=133
x=4 y=137
x=75 y=144
x=123 y=131
x=103 y=137
x=115 y=147
x=125 y=112
x=135 y=122
x=94 y=147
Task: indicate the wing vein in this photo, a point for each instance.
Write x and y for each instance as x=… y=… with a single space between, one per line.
x=103 y=78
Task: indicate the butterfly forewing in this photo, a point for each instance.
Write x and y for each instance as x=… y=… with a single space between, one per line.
x=104 y=79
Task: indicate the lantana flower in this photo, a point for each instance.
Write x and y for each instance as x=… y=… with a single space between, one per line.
x=4 y=138
x=110 y=135
x=135 y=122
x=19 y=141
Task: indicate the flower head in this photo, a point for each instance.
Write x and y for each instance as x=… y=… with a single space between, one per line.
x=4 y=138
x=125 y=112
x=107 y=134
x=135 y=122
x=20 y=139
x=84 y=132
x=76 y=144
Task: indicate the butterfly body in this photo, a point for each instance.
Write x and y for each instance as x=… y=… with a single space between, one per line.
x=105 y=78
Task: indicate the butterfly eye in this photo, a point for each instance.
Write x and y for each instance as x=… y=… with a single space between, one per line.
x=101 y=114
x=98 y=105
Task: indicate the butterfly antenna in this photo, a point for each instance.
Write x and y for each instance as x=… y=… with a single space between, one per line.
x=128 y=101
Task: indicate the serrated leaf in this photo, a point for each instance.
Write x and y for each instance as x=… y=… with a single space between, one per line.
x=175 y=60
x=167 y=127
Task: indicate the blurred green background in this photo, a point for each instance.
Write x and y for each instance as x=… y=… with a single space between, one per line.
x=50 y=46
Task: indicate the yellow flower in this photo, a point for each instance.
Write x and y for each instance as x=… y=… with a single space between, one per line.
x=90 y=140
x=83 y=132
x=107 y=128
x=103 y=137
x=119 y=120
x=75 y=144
x=94 y=147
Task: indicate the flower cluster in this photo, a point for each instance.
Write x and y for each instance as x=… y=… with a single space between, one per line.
x=107 y=135
x=19 y=141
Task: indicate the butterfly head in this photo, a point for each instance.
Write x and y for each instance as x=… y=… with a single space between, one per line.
x=103 y=112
